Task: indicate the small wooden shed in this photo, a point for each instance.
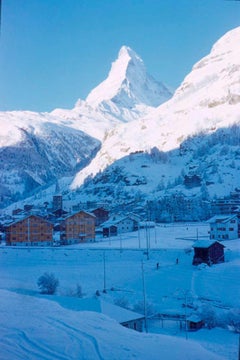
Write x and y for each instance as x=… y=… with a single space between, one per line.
x=208 y=252
x=194 y=323
x=110 y=230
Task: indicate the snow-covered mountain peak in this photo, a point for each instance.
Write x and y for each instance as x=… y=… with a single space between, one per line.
x=207 y=100
x=228 y=42
x=126 y=50
x=125 y=95
x=128 y=84
x=214 y=80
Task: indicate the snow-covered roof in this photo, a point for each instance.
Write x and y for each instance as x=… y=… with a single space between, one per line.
x=115 y=312
x=77 y=212
x=221 y=218
x=118 y=313
x=116 y=221
x=147 y=223
x=15 y=221
x=205 y=243
x=194 y=318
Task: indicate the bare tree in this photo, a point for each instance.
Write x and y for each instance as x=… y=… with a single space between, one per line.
x=48 y=283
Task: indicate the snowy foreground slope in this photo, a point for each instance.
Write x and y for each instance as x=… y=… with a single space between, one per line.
x=34 y=326
x=37 y=329
x=207 y=101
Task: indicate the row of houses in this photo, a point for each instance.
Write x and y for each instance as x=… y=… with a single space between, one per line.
x=34 y=230
x=65 y=229
x=61 y=228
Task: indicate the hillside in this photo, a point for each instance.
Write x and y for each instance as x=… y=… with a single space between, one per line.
x=195 y=132
x=146 y=152
x=35 y=153
x=37 y=149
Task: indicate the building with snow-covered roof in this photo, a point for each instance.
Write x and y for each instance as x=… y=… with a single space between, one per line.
x=194 y=322
x=77 y=228
x=208 y=252
x=118 y=225
x=101 y=214
x=31 y=230
x=223 y=227
x=125 y=317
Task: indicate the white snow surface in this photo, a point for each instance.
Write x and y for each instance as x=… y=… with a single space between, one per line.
x=126 y=94
x=41 y=329
x=35 y=326
x=121 y=113
x=128 y=83
x=207 y=100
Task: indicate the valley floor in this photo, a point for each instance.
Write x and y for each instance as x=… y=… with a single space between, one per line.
x=119 y=265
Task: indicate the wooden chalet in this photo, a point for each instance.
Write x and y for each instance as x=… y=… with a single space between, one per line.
x=31 y=230
x=77 y=228
x=194 y=323
x=119 y=225
x=101 y=214
x=223 y=227
x=109 y=230
x=208 y=252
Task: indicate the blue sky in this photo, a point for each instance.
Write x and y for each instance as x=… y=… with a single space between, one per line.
x=53 y=52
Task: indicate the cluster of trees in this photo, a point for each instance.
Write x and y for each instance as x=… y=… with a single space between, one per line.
x=178 y=207
x=226 y=319
x=48 y=284
x=203 y=143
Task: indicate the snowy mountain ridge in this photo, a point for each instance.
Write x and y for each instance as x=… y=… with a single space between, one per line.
x=206 y=103
x=128 y=84
x=207 y=100
x=35 y=152
x=38 y=148
x=127 y=94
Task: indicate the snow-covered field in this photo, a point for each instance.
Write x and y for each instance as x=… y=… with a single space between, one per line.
x=35 y=326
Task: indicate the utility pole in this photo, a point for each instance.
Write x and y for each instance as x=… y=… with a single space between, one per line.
x=104 y=273
x=239 y=347
x=186 y=328
x=120 y=236
x=28 y=230
x=155 y=233
x=147 y=239
x=144 y=299
x=139 y=242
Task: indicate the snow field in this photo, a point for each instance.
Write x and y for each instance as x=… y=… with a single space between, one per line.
x=167 y=289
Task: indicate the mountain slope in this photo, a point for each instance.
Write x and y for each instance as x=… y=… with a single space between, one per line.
x=35 y=152
x=38 y=148
x=207 y=100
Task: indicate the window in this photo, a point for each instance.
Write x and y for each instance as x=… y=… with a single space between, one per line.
x=231 y=229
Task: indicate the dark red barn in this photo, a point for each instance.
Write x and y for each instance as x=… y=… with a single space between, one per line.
x=208 y=252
